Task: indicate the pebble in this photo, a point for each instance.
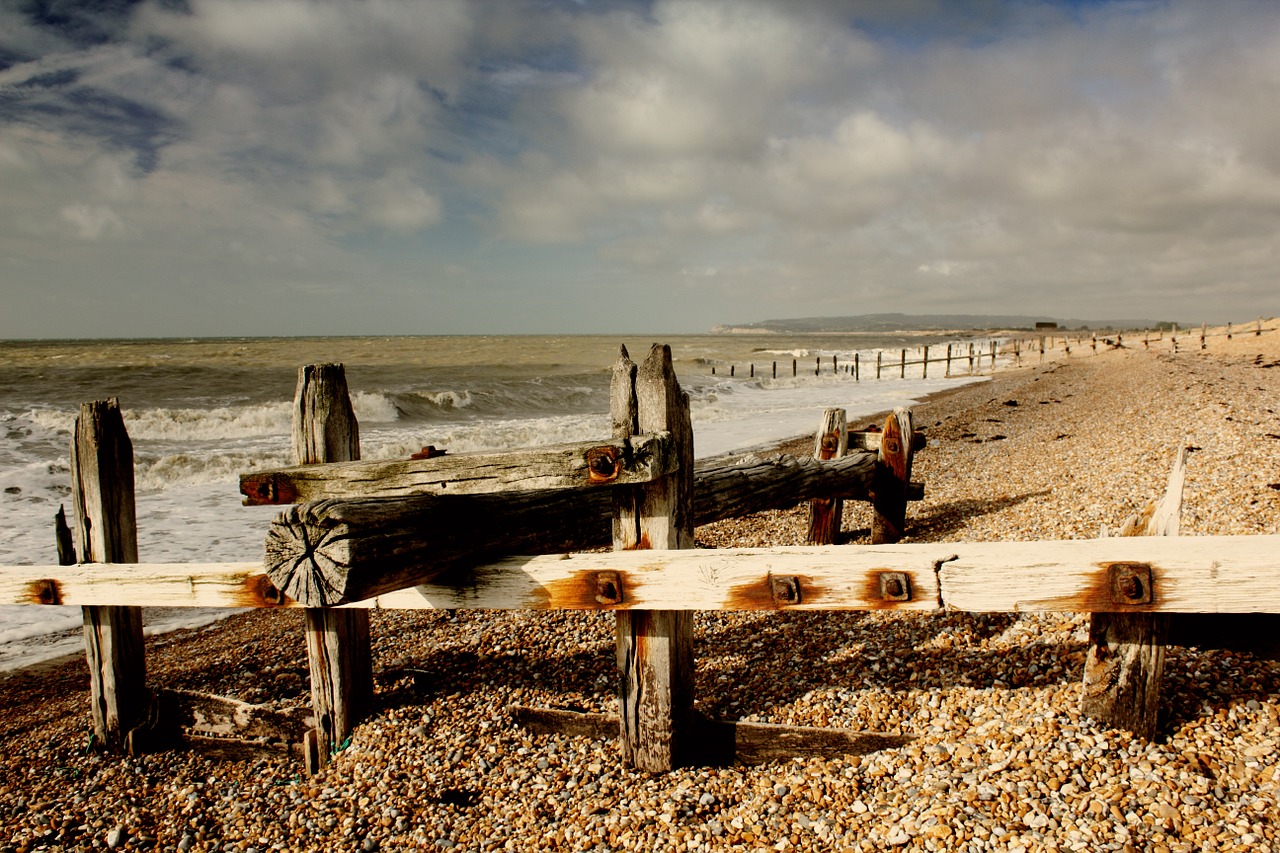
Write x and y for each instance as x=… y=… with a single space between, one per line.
x=1002 y=758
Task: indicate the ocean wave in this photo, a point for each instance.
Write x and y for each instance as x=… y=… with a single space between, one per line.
x=373 y=407
x=186 y=469
x=223 y=422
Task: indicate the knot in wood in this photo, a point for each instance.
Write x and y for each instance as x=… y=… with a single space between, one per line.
x=830 y=444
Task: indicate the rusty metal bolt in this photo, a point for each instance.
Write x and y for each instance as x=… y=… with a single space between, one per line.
x=48 y=592
x=895 y=586
x=785 y=589
x=608 y=588
x=603 y=464
x=1130 y=583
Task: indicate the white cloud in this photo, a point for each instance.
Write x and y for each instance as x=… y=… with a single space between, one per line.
x=93 y=221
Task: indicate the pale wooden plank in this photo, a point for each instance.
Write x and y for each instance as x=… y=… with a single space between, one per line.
x=1193 y=574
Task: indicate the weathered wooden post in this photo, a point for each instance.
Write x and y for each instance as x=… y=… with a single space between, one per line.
x=794 y=368
x=775 y=370
x=107 y=532
x=924 y=362
x=338 y=643
x=824 y=513
x=948 y=372
x=855 y=367
x=655 y=647
x=1125 y=660
x=879 y=353
x=892 y=478
x=902 y=374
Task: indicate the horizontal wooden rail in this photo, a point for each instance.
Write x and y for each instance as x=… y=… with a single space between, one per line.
x=616 y=462
x=1196 y=574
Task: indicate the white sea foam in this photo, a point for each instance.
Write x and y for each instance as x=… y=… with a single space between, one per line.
x=370 y=407
x=220 y=423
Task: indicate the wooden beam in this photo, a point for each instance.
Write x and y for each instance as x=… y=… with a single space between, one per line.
x=869 y=439
x=339 y=648
x=107 y=532
x=641 y=459
x=1194 y=574
x=1125 y=661
x=206 y=715
x=655 y=647
x=723 y=742
x=824 y=513
x=892 y=477
x=333 y=552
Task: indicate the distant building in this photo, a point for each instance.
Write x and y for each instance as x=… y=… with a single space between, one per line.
x=1046 y=327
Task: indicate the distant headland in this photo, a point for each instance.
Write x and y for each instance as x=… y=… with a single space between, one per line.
x=930 y=322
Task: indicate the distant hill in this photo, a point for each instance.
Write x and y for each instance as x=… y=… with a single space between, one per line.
x=926 y=322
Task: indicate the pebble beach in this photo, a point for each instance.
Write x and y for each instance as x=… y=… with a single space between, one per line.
x=1001 y=759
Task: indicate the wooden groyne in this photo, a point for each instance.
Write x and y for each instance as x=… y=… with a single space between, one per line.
x=457 y=532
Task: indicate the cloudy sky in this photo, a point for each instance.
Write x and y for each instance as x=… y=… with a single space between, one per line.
x=241 y=167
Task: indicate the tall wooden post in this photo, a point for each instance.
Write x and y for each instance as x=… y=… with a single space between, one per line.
x=892 y=477
x=824 y=513
x=655 y=647
x=338 y=645
x=107 y=532
x=1125 y=660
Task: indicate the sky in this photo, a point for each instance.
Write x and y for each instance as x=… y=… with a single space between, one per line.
x=298 y=167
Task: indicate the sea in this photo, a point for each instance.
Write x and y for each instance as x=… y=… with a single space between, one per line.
x=201 y=411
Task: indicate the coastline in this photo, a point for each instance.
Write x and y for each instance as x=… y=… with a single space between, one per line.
x=1002 y=759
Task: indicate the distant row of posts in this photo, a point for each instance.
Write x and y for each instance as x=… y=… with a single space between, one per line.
x=954 y=353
